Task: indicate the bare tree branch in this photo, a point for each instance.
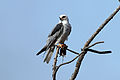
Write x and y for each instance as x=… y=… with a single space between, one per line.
x=87 y=49
x=99 y=52
x=101 y=27
x=72 y=51
x=94 y=44
x=78 y=64
x=55 y=68
x=66 y=63
x=54 y=64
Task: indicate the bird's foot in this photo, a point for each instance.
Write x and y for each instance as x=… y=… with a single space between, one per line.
x=63 y=48
x=62 y=45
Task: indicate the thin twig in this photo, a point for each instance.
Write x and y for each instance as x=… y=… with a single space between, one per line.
x=78 y=64
x=55 y=68
x=72 y=51
x=66 y=63
x=94 y=44
x=99 y=52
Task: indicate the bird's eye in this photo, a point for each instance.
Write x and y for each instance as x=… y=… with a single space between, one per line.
x=63 y=16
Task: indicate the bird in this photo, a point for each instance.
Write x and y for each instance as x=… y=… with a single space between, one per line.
x=57 y=36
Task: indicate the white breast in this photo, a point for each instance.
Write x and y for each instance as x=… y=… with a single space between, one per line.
x=66 y=32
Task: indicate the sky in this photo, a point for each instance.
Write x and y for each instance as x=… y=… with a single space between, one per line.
x=25 y=25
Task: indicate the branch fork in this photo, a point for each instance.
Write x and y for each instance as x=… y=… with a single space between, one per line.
x=96 y=51
x=84 y=50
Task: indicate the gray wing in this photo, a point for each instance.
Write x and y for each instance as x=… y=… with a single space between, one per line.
x=57 y=28
x=52 y=37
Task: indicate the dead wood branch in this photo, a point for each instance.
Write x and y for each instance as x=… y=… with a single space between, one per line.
x=66 y=63
x=72 y=51
x=54 y=64
x=78 y=64
x=94 y=44
x=99 y=52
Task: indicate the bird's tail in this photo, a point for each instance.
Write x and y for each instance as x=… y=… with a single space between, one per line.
x=49 y=54
x=43 y=49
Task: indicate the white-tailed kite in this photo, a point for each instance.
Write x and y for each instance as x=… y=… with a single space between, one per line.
x=58 y=35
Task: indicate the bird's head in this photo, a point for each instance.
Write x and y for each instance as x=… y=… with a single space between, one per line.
x=63 y=18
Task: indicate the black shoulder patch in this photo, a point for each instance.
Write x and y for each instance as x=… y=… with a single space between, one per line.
x=55 y=29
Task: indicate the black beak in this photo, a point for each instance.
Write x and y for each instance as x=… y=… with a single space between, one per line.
x=60 y=18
